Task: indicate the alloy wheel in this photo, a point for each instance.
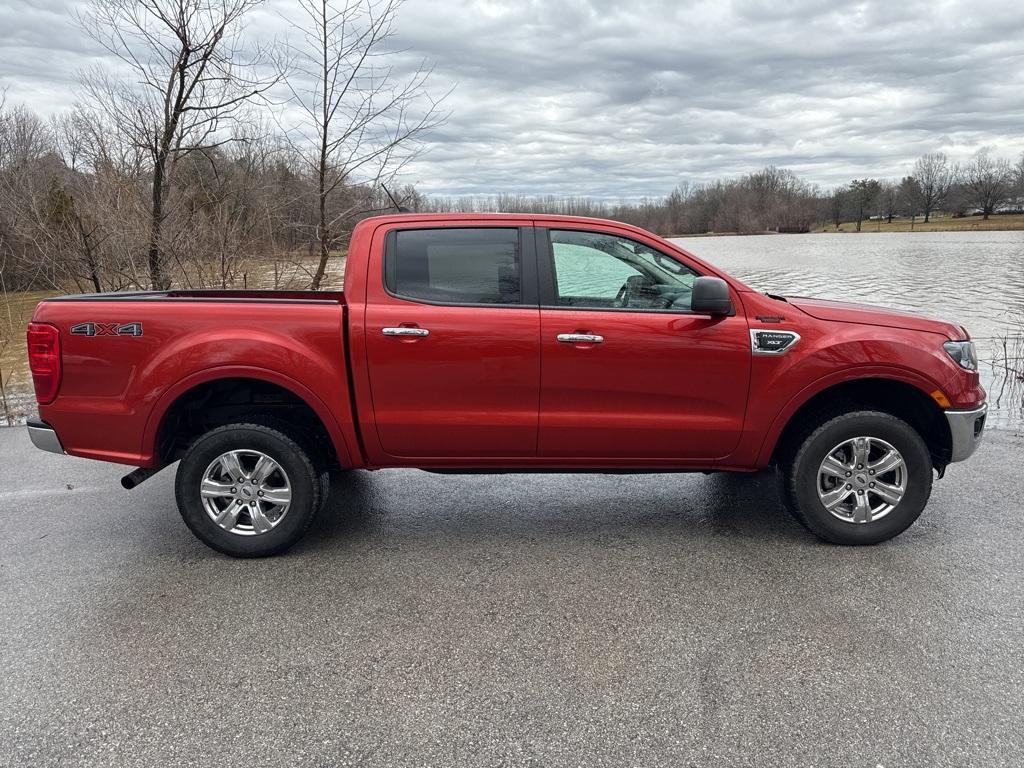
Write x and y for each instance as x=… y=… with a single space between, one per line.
x=246 y=492
x=862 y=480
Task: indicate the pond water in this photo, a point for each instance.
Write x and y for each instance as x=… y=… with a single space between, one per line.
x=975 y=279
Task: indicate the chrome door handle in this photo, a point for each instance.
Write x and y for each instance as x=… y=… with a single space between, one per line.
x=580 y=338
x=406 y=332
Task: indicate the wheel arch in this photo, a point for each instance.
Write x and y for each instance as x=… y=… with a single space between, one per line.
x=898 y=393
x=192 y=389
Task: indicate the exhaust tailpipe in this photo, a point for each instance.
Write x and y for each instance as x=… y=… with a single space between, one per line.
x=140 y=475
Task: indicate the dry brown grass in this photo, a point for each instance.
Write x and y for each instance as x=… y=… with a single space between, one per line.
x=937 y=224
x=15 y=312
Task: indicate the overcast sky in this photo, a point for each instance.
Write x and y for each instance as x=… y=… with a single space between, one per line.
x=621 y=99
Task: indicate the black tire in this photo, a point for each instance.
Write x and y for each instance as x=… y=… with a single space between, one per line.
x=316 y=453
x=800 y=478
x=303 y=478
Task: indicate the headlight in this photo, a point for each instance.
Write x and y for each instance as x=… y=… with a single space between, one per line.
x=963 y=353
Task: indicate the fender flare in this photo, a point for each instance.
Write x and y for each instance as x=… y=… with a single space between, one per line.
x=893 y=373
x=170 y=395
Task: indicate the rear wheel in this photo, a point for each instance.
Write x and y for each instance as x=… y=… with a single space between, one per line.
x=859 y=478
x=247 y=490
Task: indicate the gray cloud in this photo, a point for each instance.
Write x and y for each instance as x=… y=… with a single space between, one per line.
x=623 y=100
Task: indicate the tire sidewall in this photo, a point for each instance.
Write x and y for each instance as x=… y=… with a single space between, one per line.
x=305 y=490
x=897 y=433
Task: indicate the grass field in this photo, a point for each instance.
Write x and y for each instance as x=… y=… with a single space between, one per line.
x=937 y=224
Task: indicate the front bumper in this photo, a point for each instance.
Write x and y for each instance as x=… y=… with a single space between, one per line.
x=44 y=437
x=966 y=429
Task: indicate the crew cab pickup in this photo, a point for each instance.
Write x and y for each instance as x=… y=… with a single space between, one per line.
x=505 y=343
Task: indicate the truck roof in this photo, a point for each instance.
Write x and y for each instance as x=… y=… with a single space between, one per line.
x=524 y=217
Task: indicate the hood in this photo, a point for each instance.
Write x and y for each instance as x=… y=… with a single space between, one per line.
x=866 y=314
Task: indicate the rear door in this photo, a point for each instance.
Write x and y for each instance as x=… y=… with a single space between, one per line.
x=628 y=372
x=453 y=341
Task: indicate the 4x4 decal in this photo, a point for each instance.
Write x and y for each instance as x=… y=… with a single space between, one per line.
x=107 y=329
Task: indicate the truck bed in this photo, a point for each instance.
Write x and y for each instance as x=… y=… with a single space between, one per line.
x=129 y=357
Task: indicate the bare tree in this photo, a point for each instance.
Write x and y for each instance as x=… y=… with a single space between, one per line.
x=889 y=201
x=27 y=167
x=863 y=194
x=909 y=200
x=1018 y=181
x=987 y=182
x=360 y=121
x=189 y=75
x=838 y=202
x=934 y=176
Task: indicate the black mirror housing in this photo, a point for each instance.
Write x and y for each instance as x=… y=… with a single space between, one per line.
x=710 y=297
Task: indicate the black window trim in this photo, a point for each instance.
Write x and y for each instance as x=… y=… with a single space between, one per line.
x=548 y=289
x=527 y=259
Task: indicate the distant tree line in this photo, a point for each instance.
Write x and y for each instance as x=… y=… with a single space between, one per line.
x=776 y=200
x=772 y=199
x=984 y=186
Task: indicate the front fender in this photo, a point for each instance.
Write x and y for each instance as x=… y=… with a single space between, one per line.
x=829 y=354
x=855 y=373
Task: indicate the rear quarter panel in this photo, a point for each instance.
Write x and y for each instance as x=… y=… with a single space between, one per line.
x=115 y=389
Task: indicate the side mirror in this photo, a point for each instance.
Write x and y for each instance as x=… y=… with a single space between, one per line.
x=710 y=297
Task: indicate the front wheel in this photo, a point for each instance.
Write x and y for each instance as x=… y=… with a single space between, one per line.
x=247 y=490
x=859 y=478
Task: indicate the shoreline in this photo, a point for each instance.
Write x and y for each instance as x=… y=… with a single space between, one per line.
x=1000 y=223
x=864 y=231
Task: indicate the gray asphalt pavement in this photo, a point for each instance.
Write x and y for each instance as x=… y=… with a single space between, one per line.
x=512 y=620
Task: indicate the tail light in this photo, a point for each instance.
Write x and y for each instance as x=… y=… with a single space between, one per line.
x=45 y=361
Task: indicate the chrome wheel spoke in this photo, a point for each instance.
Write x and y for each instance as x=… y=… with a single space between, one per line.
x=862 y=510
x=835 y=468
x=890 y=494
x=861 y=448
x=835 y=497
x=890 y=461
x=228 y=516
x=277 y=495
x=265 y=467
x=232 y=466
x=214 y=489
x=260 y=523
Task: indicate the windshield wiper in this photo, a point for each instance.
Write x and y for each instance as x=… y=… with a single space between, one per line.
x=776 y=297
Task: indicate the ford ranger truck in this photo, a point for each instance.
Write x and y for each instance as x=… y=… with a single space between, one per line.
x=469 y=343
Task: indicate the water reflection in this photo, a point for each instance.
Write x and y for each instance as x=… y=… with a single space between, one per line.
x=975 y=279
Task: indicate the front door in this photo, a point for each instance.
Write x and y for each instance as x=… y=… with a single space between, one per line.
x=452 y=343
x=627 y=371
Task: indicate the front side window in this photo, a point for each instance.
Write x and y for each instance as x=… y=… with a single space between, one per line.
x=594 y=269
x=455 y=266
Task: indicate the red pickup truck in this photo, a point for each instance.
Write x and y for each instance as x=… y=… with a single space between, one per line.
x=505 y=343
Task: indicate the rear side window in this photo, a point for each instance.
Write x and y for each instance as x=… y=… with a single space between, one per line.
x=455 y=266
